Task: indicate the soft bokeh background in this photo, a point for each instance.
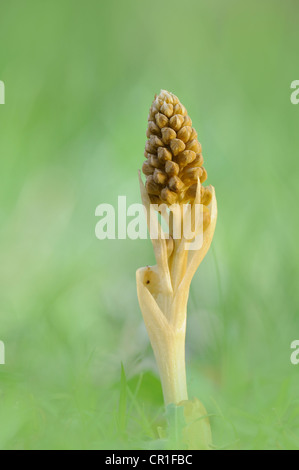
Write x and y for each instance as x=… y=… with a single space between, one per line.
x=80 y=78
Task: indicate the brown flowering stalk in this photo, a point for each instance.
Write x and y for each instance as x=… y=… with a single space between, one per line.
x=174 y=175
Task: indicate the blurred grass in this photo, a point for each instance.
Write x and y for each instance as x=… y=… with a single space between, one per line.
x=79 y=81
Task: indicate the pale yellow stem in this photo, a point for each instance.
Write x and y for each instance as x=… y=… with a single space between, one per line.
x=163 y=292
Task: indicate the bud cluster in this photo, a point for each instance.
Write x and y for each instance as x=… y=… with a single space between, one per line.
x=174 y=161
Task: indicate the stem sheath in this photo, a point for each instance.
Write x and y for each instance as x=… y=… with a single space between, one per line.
x=170 y=357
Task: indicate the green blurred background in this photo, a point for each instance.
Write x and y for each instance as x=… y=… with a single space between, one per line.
x=80 y=77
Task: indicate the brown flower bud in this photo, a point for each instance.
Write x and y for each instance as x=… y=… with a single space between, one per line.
x=152 y=113
x=191 y=175
x=149 y=156
x=147 y=168
x=157 y=104
x=177 y=146
x=155 y=199
x=152 y=187
x=175 y=184
x=176 y=122
x=168 y=196
x=155 y=141
x=172 y=168
x=187 y=121
x=149 y=147
x=160 y=177
x=164 y=154
x=204 y=175
x=168 y=134
x=174 y=160
x=155 y=162
x=184 y=133
x=194 y=145
x=191 y=192
x=167 y=97
x=180 y=109
x=161 y=120
x=175 y=99
x=193 y=134
x=152 y=129
x=167 y=109
x=185 y=157
x=198 y=160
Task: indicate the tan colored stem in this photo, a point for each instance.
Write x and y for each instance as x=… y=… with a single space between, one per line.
x=170 y=357
x=163 y=292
